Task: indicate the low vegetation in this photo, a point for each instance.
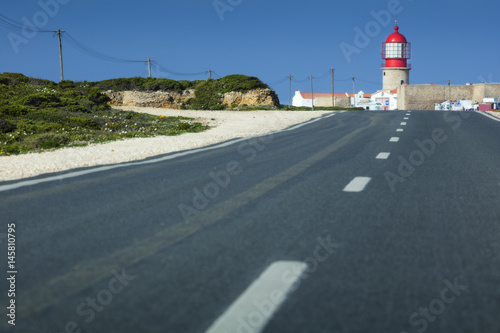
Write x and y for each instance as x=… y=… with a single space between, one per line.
x=39 y=114
x=144 y=84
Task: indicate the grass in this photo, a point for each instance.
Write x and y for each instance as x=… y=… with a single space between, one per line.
x=38 y=115
x=105 y=126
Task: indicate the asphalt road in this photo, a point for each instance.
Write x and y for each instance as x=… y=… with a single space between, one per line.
x=344 y=224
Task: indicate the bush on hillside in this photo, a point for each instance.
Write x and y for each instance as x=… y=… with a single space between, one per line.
x=208 y=96
x=241 y=83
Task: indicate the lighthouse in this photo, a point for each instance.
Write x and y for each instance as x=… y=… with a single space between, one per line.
x=396 y=51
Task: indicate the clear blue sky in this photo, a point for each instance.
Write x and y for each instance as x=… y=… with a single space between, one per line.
x=451 y=40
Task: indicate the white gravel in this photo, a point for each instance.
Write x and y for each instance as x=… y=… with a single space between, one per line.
x=225 y=125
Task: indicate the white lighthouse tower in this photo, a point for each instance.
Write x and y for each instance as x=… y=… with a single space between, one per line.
x=396 y=51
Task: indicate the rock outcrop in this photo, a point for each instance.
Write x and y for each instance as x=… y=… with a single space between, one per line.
x=177 y=100
x=156 y=99
x=262 y=97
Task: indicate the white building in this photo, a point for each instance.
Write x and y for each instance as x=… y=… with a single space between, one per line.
x=388 y=99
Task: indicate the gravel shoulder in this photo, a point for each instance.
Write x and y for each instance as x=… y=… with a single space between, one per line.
x=225 y=125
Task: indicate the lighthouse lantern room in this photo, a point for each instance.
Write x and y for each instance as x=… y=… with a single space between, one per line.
x=396 y=51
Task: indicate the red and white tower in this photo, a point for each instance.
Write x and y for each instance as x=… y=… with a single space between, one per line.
x=396 y=51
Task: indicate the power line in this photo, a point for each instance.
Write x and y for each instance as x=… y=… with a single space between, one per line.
x=169 y=71
x=277 y=82
x=301 y=81
x=94 y=53
x=9 y=23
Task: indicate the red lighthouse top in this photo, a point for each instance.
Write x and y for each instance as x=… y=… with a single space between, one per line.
x=396 y=50
x=396 y=37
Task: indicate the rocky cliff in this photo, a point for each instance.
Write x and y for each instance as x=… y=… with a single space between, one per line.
x=177 y=100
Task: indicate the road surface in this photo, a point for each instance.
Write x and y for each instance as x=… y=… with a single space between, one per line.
x=354 y=222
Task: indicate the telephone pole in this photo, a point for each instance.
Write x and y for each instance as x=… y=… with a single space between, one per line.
x=312 y=93
x=149 y=66
x=289 y=90
x=58 y=32
x=333 y=87
x=353 y=93
x=210 y=74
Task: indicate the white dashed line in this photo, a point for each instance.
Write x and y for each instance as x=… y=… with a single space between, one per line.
x=408 y=114
x=399 y=130
x=268 y=292
x=358 y=184
x=394 y=139
x=406 y=118
x=383 y=156
x=403 y=124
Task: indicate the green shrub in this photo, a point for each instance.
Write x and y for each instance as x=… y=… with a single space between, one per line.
x=49 y=145
x=11 y=149
x=47 y=140
x=241 y=83
x=42 y=100
x=66 y=84
x=14 y=110
x=6 y=127
x=95 y=96
x=83 y=122
x=208 y=96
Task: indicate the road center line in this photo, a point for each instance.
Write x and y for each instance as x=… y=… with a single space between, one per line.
x=383 y=156
x=394 y=139
x=258 y=303
x=403 y=124
x=358 y=184
x=399 y=130
x=406 y=118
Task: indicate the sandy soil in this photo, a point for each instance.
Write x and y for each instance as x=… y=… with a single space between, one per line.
x=225 y=125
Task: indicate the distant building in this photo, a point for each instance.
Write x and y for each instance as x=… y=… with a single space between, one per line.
x=325 y=99
x=388 y=99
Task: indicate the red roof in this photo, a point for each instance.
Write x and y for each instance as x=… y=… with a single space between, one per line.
x=316 y=95
x=395 y=91
x=396 y=37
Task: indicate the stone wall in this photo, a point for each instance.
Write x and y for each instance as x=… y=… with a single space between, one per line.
x=175 y=100
x=341 y=101
x=423 y=97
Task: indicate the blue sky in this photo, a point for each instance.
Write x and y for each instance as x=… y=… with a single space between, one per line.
x=271 y=39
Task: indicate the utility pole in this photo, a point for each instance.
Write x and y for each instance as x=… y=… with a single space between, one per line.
x=353 y=93
x=289 y=91
x=333 y=87
x=210 y=74
x=312 y=93
x=149 y=66
x=58 y=32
